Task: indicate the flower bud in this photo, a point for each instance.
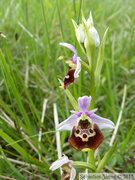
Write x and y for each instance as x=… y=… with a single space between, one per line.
x=90 y=20
x=95 y=35
x=80 y=34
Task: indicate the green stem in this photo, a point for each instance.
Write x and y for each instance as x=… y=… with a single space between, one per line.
x=91 y=159
x=92 y=90
x=90 y=56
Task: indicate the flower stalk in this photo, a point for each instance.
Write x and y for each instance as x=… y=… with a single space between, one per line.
x=85 y=126
x=91 y=158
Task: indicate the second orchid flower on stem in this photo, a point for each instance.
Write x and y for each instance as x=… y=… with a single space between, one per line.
x=74 y=66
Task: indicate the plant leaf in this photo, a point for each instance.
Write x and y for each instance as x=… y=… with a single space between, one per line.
x=71 y=98
x=106 y=158
x=100 y=58
x=15 y=171
x=85 y=165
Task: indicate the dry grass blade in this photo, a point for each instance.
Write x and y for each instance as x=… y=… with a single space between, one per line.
x=42 y=121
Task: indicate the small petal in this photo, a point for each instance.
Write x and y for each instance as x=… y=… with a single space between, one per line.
x=68 y=123
x=78 y=68
x=73 y=173
x=76 y=113
x=84 y=103
x=68 y=172
x=90 y=20
x=88 y=113
x=69 y=46
x=57 y=164
x=95 y=35
x=103 y=123
x=74 y=59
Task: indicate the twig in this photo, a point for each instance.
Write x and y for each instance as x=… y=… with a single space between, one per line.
x=7 y=177
x=8 y=120
x=19 y=162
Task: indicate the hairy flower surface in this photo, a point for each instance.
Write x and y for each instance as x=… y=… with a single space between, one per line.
x=68 y=172
x=73 y=64
x=85 y=126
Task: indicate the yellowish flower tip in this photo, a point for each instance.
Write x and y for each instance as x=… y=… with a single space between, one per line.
x=70 y=64
x=62 y=87
x=86 y=150
x=68 y=61
x=61 y=58
x=73 y=66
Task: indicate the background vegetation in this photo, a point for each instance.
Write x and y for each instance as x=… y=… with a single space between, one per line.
x=29 y=73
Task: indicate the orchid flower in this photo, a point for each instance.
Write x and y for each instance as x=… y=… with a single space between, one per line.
x=68 y=172
x=85 y=126
x=73 y=64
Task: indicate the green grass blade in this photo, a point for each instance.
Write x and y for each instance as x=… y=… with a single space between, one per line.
x=15 y=91
x=125 y=143
x=106 y=158
x=79 y=164
x=100 y=59
x=15 y=173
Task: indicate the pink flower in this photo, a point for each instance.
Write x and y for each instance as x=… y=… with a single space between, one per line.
x=85 y=126
x=69 y=172
x=73 y=64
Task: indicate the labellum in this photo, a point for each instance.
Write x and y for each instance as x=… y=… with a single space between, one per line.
x=69 y=78
x=85 y=135
x=66 y=170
